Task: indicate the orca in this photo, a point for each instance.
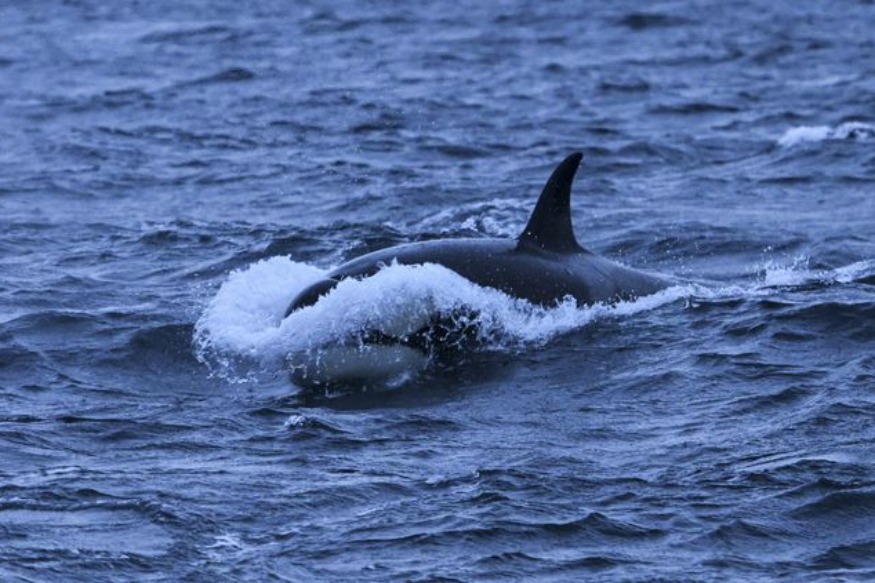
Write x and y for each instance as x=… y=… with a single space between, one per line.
x=545 y=265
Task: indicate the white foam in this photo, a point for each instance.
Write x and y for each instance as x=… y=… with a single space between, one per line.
x=794 y=273
x=498 y=217
x=244 y=316
x=847 y=131
x=855 y=271
x=795 y=136
x=244 y=320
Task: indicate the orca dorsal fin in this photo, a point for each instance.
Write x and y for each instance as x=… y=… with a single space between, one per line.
x=549 y=227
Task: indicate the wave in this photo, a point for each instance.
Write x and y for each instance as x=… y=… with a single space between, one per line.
x=797 y=273
x=243 y=325
x=854 y=130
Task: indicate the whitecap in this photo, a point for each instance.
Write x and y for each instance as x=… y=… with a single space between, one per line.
x=847 y=131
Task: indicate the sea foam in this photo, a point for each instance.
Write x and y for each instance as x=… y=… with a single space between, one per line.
x=244 y=321
x=847 y=131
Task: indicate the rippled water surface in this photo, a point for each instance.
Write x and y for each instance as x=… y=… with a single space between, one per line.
x=172 y=173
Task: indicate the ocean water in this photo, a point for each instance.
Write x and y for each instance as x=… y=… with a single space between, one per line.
x=171 y=174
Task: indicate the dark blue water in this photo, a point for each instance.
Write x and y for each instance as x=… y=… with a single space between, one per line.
x=170 y=172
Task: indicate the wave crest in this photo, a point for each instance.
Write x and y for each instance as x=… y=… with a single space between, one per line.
x=243 y=326
x=854 y=130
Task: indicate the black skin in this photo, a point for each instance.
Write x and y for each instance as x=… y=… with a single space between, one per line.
x=543 y=266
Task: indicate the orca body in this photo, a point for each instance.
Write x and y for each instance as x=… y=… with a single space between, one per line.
x=544 y=265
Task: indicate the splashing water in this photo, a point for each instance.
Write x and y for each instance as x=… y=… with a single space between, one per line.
x=244 y=321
